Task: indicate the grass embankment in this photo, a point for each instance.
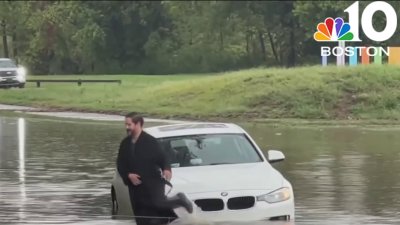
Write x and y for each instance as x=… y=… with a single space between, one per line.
x=363 y=92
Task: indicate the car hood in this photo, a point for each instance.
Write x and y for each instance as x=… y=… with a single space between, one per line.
x=8 y=69
x=254 y=176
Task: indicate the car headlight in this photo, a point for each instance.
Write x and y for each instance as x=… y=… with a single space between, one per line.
x=21 y=74
x=279 y=195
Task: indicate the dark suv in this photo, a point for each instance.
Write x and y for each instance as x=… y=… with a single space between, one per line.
x=11 y=75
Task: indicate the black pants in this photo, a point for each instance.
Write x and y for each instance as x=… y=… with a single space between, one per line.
x=150 y=205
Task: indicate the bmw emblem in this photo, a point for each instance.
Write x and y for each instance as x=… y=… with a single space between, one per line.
x=224 y=194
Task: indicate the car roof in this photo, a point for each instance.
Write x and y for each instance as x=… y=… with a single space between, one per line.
x=193 y=128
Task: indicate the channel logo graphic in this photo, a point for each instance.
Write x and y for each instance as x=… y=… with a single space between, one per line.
x=333 y=30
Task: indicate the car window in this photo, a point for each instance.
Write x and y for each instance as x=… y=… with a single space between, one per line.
x=211 y=149
x=7 y=64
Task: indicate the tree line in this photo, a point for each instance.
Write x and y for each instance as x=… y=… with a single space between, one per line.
x=162 y=37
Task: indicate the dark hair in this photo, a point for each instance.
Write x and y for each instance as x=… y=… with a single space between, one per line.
x=135 y=118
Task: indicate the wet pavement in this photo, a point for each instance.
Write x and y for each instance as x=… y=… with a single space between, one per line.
x=77 y=115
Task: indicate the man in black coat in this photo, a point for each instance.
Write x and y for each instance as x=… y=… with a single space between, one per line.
x=144 y=168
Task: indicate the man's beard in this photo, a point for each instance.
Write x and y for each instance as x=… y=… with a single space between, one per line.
x=128 y=132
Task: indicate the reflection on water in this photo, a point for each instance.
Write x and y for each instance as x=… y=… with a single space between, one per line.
x=54 y=172
x=21 y=165
x=341 y=175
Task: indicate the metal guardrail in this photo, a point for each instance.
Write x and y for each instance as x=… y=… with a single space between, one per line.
x=78 y=81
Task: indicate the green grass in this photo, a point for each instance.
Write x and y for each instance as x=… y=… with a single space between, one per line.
x=358 y=93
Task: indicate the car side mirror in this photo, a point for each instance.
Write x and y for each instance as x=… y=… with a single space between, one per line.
x=275 y=156
x=196 y=162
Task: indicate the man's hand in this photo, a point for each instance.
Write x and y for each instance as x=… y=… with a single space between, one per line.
x=167 y=175
x=135 y=179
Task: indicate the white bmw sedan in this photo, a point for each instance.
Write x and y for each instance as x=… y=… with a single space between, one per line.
x=222 y=171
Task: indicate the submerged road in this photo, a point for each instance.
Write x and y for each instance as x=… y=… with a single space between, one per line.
x=78 y=115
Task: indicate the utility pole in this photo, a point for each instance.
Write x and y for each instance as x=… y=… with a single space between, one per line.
x=5 y=44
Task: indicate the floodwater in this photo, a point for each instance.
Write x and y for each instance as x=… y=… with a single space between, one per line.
x=59 y=171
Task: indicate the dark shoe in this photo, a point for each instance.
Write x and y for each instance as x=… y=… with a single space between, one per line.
x=185 y=202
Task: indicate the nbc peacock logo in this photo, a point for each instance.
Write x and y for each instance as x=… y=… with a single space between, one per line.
x=333 y=30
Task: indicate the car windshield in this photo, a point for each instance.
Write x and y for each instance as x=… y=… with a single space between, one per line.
x=7 y=64
x=211 y=149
